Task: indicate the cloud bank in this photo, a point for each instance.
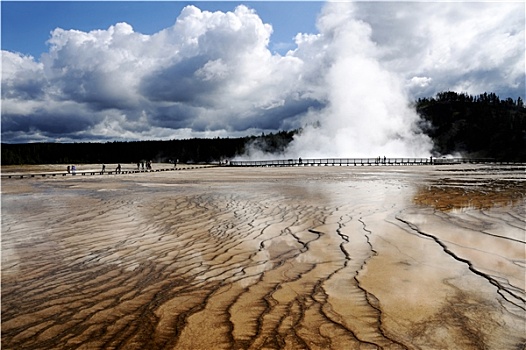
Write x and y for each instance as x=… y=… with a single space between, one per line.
x=212 y=74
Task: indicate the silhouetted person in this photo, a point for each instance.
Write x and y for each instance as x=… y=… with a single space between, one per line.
x=103 y=169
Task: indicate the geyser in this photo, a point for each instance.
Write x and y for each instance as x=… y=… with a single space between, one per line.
x=367 y=112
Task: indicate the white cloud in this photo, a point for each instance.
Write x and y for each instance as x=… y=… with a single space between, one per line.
x=479 y=46
x=22 y=77
x=212 y=73
x=419 y=82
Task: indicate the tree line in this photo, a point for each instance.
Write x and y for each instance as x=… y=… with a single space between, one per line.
x=197 y=150
x=482 y=126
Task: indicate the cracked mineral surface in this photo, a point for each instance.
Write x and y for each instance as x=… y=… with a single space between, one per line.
x=417 y=257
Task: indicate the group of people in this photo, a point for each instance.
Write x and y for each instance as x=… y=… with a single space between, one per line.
x=379 y=160
x=117 y=169
x=146 y=165
x=72 y=169
x=142 y=164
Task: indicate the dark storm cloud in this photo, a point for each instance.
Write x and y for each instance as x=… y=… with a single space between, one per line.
x=175 y=116
x=179 y=83
x=50 y=124
x=284 y=117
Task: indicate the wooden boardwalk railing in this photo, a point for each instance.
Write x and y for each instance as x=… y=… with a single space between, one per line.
x=362 y=162
x=92 y=172
x=334 y=162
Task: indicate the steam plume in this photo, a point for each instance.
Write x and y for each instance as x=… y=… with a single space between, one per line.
x=367 y=113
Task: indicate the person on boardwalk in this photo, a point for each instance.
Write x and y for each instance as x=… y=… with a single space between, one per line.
x=118 y=170
x=73 y=169
x=68 y=169
x=103 y=169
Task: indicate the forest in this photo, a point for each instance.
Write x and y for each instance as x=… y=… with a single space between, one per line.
x=184 y=151
x=482 y=126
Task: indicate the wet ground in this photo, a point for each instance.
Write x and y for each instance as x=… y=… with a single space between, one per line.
x=420 y=257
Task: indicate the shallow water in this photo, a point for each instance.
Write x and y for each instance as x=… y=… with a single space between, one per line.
x=415 y=257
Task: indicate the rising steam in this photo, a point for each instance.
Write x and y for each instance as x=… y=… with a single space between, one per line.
x=367 y=113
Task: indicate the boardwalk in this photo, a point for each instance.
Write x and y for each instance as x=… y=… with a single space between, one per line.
x=365 y=161
x=268 y=163
x=91 y=172
x=347 y=162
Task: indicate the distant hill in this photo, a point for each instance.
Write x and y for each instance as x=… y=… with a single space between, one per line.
x=481 y=126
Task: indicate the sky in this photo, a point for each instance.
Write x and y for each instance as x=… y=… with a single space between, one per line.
x=344 y=72
x=27 y=25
